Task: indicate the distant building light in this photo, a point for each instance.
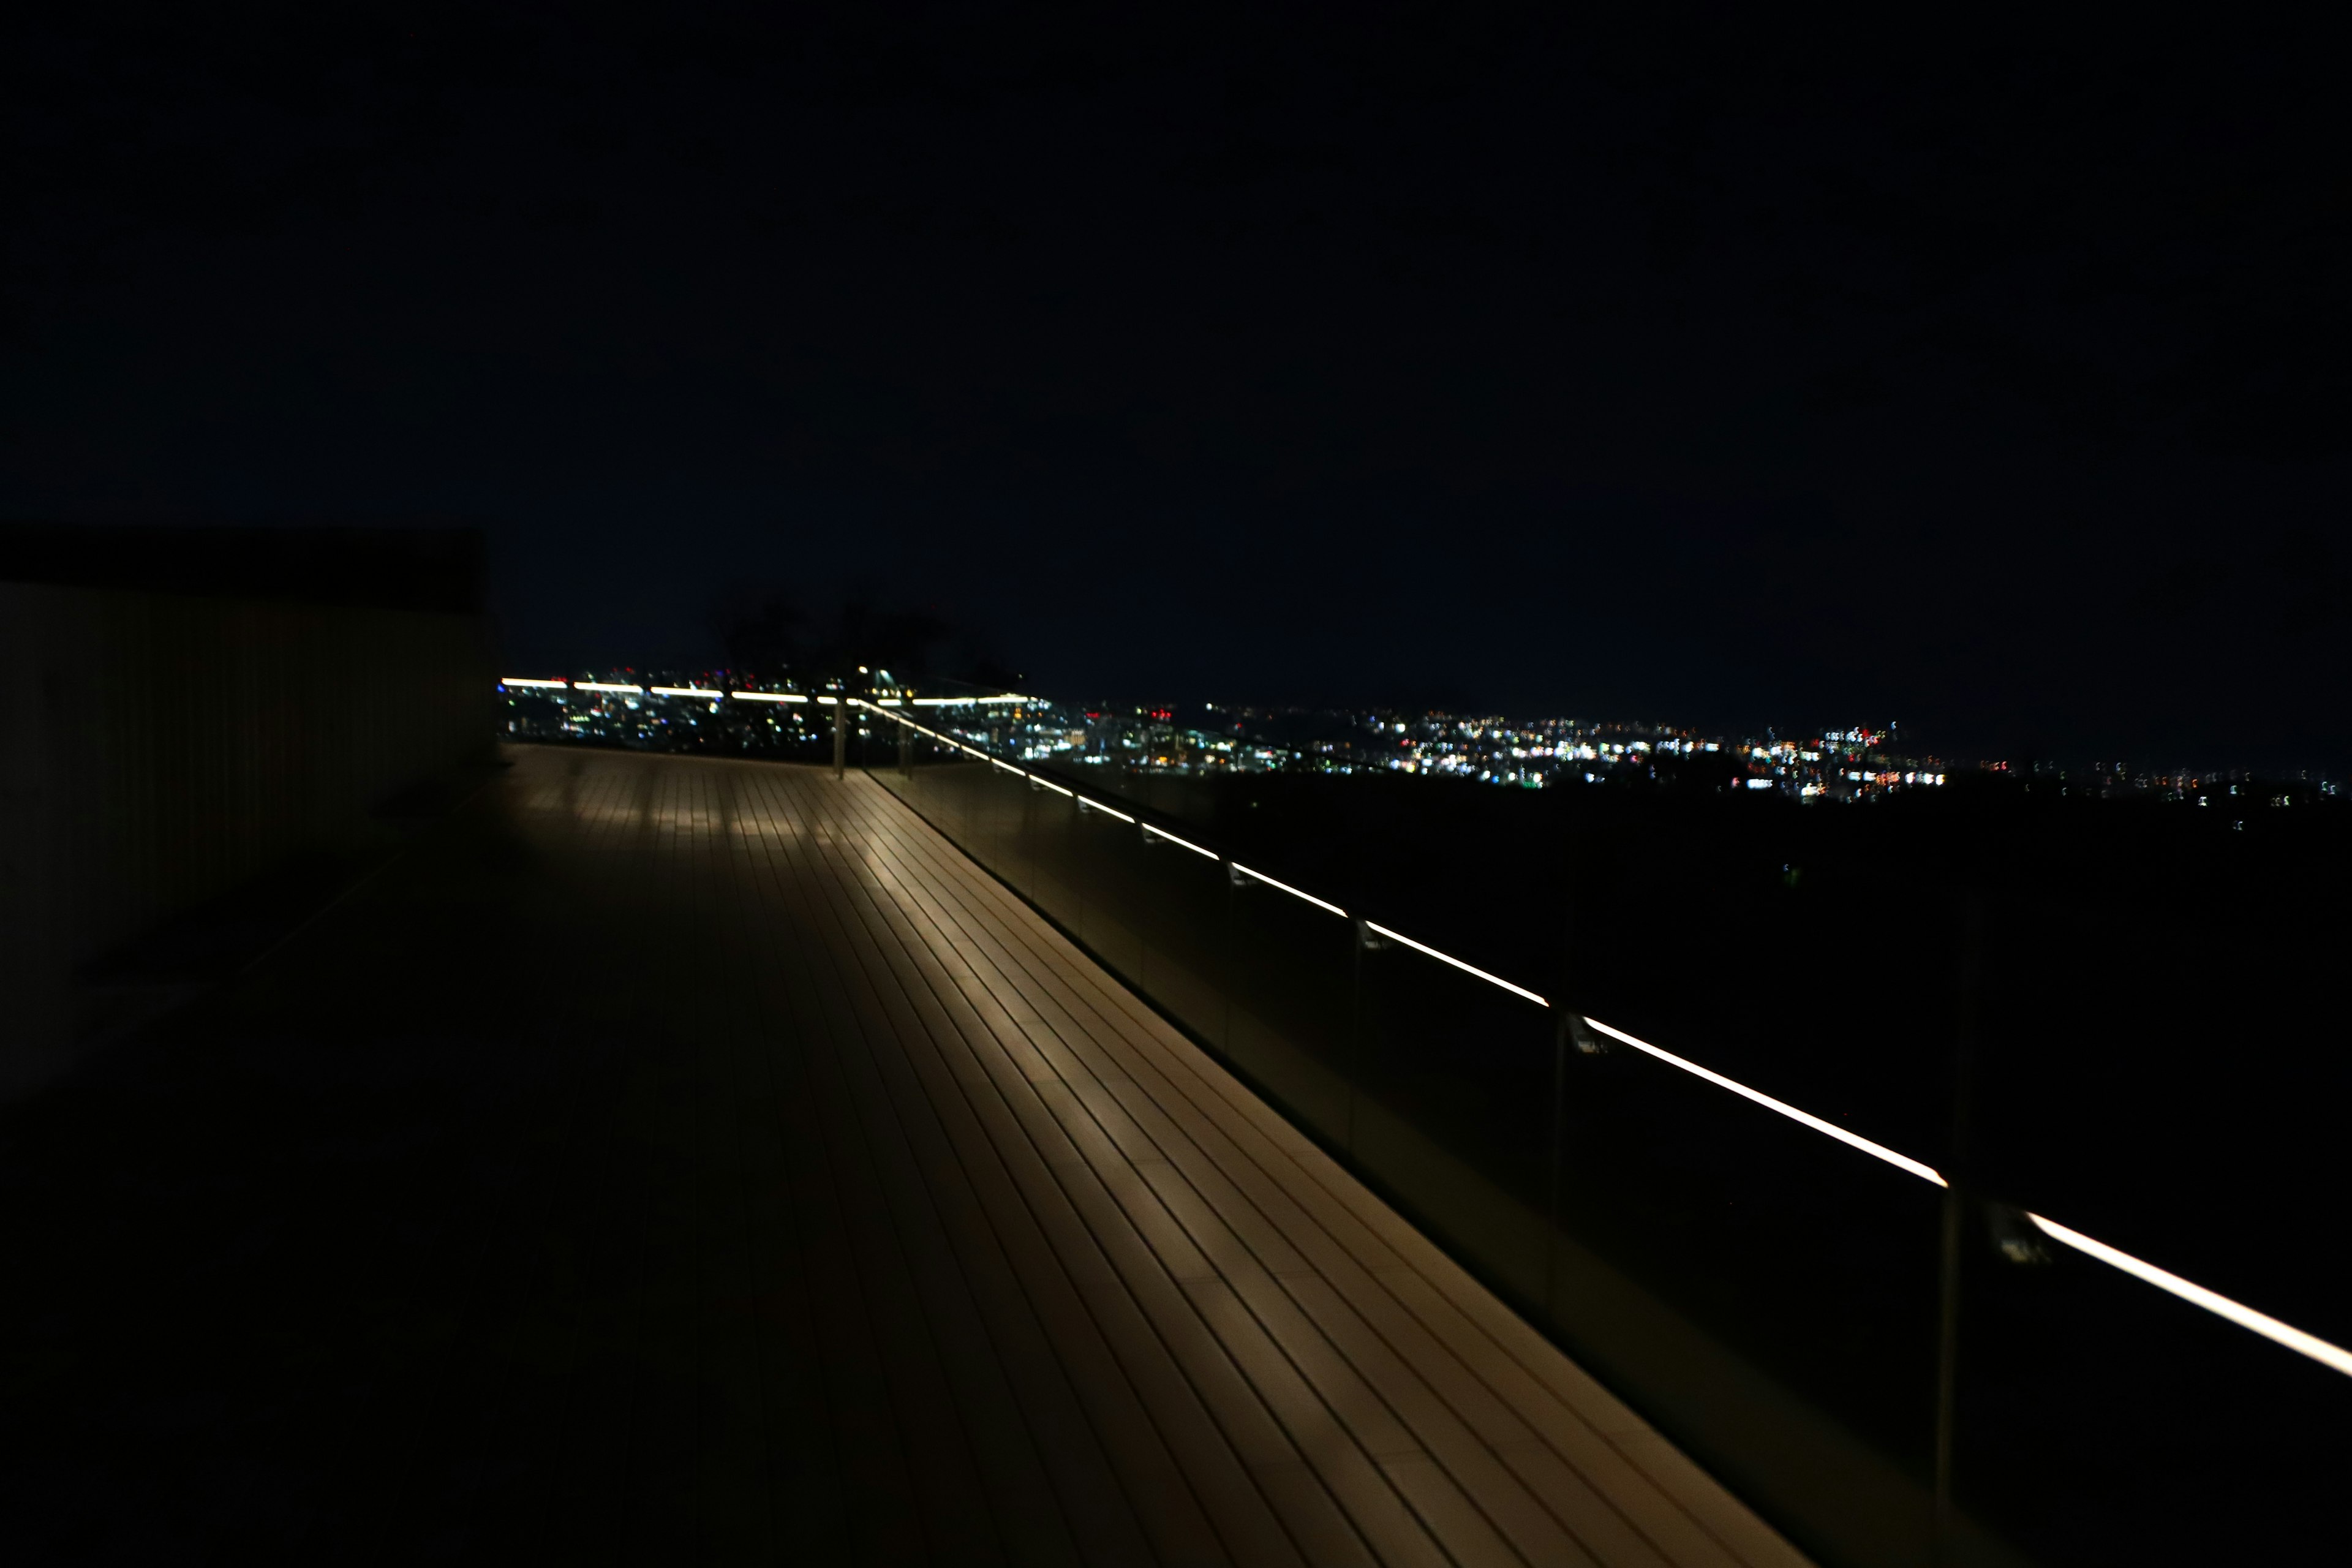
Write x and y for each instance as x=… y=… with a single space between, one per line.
x=1759 y=783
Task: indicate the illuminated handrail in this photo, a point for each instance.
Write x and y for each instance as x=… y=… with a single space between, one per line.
x=1449 y=958
x=1878 y=1151
x=2332 y=1356
x=1150 y=832
x=2213 y=1302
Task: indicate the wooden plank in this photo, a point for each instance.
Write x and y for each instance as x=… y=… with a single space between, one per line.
x=1372 y=1504
x=1162 y=1490
x=1328 y=1371
x=1208 y=1453
x=890 y=1521
x=1095 y=1190
x=1041 y=1403
x=1674 y=1520
x=734 y=1430
x=804 y=1487
x=923 y=1384
x=1107 y=1144
x=1119 y=1274
x=897 y=1124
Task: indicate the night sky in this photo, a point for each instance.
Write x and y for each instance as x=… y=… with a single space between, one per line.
x=1711 y=372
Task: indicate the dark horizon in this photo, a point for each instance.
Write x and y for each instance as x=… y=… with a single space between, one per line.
x=1720 y=377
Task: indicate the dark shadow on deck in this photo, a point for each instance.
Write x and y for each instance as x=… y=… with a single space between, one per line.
x=676 y=1160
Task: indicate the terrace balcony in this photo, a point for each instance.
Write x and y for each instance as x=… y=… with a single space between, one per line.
x=704 y=1160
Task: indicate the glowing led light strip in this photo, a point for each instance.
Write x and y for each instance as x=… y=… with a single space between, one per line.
x=1465 y=968
x=967 y=701
x=529 y=680
x=2332 y=1356
x=1086 y=805
x=886 y=703
x=607 y=685
x=1183 y=843
x=1902 y=1161
x=1262 y=876
x=767 y=697
x=830 y=701
x=687 y=692
x=1008 y=767
x=1049 y=784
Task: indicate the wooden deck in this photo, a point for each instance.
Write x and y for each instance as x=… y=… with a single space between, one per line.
x=858 y=1215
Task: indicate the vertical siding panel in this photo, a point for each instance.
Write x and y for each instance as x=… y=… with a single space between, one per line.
x=168 y=748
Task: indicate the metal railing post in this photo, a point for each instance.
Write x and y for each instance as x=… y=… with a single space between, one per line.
x=840 y=736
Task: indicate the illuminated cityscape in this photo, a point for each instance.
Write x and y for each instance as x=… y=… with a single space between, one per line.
x=705 y=712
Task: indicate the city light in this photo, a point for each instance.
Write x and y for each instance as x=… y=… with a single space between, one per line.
x=529 y=680
x=1901 y=1162
x=1183 y=843
x=1449 y=958
x=2334 y=1357
x=1285 y=887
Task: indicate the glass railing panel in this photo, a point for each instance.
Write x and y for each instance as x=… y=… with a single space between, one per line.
x=1106 y=863
x=1043 y=844
x=2102 y=1420
x=1180 y=915
x=967 y=801
x=1768 y=1295
x=1290 y=995
x=1454 y=1110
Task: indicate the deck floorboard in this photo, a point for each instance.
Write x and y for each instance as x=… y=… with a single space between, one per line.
x=704 y=1161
